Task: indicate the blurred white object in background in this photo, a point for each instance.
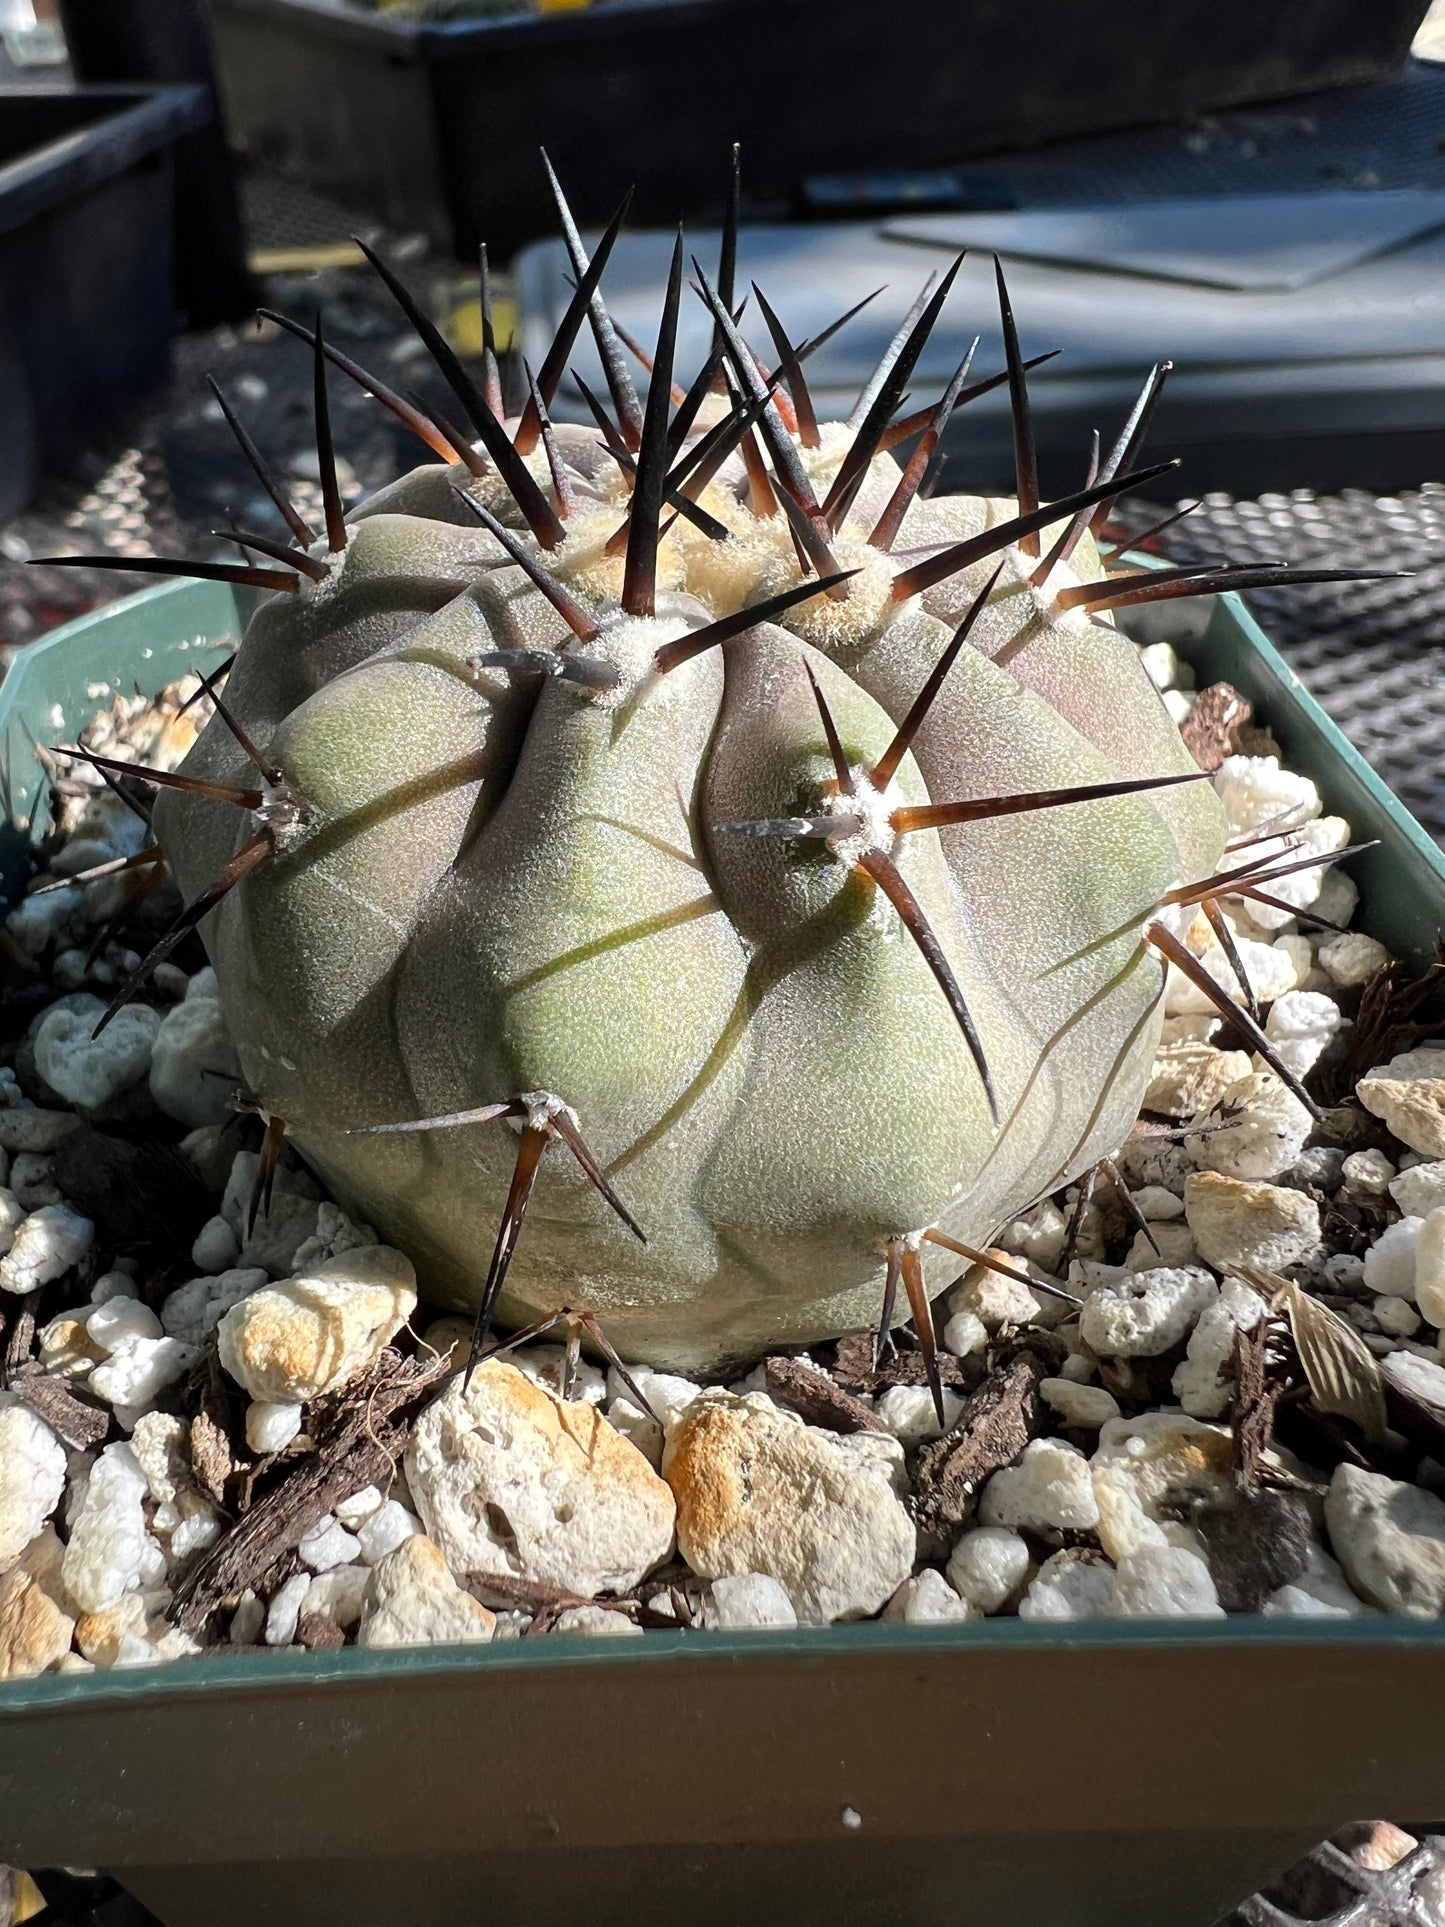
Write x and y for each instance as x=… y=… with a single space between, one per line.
x=31 y=39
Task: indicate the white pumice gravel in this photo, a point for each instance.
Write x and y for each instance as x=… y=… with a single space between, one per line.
x=89 y=1071
x=744 y=1601
x=1049 y=1487
x=385 y=1528
x=989 y=1566
x=1390 y=1260
x=1165 y=1582
x=927 y=1599
x=781 y=1521
x=1070 y=1585
x=908 y=1412
x=1146 y=1313
x=328 y=1544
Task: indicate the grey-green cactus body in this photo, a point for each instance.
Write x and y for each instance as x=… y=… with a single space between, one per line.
x=507 y=882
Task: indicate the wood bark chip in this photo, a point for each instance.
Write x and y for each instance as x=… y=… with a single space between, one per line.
x=853 y=1369
x=319 y=1633
x=213 y=1459
x=990 y=1432
x=546 y=1603
x=816 y=1399
x=359 y=1437
x=1387 y=1020
x=75 y=1421
x=1208 y=729
x=19 y=1338
x=1251 y=1415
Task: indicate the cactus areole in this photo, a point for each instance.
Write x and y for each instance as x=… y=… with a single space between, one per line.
x=687 y=833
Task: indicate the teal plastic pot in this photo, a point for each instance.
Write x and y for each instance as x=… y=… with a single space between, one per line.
x=998 y=1774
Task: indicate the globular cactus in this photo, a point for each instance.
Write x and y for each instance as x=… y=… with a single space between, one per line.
x=689 y=826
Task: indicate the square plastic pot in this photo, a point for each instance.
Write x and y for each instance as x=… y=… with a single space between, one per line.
x=1000 y=1772
x=436 y=124
x=87 y=301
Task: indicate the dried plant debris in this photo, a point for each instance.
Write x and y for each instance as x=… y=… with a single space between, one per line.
x=230 y=1414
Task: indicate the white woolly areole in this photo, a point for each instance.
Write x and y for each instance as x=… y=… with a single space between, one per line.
x=874 y=807
x=836 y=626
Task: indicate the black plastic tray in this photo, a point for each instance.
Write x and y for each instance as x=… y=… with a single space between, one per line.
x=86 y=305
x=436 y=126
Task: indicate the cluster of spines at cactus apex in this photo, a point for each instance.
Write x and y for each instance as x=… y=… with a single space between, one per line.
x=765 y=414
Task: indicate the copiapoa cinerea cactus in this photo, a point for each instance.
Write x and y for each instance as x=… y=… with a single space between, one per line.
x=683 y=831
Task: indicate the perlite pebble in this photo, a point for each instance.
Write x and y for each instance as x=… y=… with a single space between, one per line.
x=1083 y=1406
x=89 y=1071
x=120 y=1318
x=908 y=1412
x=735 y=1466
x=1158 y=1205
x=595 y=1622
x=1396 y=1317
x=24 y=1127
x=743 y=1601
x=1390 y=1539
x=1301 y=1025
x=32 y=1180
x=1257 y=793
x=1302 y=889
x=12 y=1216
x=316 y=1332
x=1236 y=1222
x=1050 y=1486
x=32 y=1476
x=989 y=1565
x=1038 y=1236
x=49 y=1243
x=1390 y=1260
x=107 y=1553
x=413 y=1600
x=1204 y=1382
x=1270 y=972
x=1422 y=1378
x=1352 y=958
x=1171 y=1245
x=138 y=1371
x=993 y=1297
x=1257 y=1129
x=247 y=1620
x=193 y=1311
x=1145 y=1313
x=270 y=1427
x=1408 y=1093
x=1321 y=1591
